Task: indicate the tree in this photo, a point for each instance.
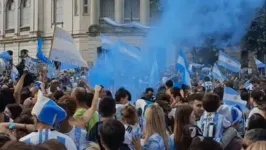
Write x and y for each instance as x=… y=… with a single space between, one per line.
x=255 y=39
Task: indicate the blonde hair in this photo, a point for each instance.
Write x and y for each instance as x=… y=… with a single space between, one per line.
x=260 y=145
x=93 y=146
x=155 y=123
x=129 y=114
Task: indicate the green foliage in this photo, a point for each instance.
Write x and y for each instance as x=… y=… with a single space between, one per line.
x=255 y=39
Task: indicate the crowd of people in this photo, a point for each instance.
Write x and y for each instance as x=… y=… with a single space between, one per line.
x=44 y=115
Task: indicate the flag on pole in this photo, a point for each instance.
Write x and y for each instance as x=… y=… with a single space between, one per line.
x=217 y=74
x=64 y=49
x=232 y=98
x=259 y=64
x=40 y=54
x=248 y=85
x=228 y=62
x=182 y=67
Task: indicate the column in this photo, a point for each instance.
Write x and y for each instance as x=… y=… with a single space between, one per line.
x=17 y=17
x=93 y=12
x=119 y=11
x=144 y=12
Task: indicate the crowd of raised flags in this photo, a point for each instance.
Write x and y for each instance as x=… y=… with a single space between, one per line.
x=222 y=105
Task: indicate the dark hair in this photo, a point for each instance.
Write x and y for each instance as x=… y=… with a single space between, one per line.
x=58 y=94
x=6 y=97
x=211 y=102
x=53 y=145
x=68 y=104
x=244 y=95
x=169 y=83
x=175 y=91
x=15 y=110
x=258 y=96
x=54 y=85
x=112 y=134
x=107 y=107
x=121 y=93
x=15 y=145
x=163 y=97
x=182 y=118
x=204 y=143
x=256 y=121
x=81 y=95
x=40 y=147
x=220 y=92
x=89 y=99
x=23 y=119
x=196 y=96
x=149 y=90
x=129 y=95
x=108 y=93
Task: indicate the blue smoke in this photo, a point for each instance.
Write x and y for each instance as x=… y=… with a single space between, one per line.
x=183 y=23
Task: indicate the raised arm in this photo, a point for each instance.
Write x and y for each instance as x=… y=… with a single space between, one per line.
x=89 y=113
x=18 y=88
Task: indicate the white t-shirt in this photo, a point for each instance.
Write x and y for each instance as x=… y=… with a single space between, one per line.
x=47 y=134
x=131 y=131
x=79 y=135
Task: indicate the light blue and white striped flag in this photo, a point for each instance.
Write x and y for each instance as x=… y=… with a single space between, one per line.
x=228 y=62
x=259 y=64
x=232 y=98
x=181 y=66
x=248 y=85
x=217 y=74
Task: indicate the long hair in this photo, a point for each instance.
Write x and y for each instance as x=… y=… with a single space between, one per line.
x=129 y=114
x=155 y=123
x=182 y=118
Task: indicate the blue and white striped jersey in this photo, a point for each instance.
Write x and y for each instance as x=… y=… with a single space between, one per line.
x=79 y=136
x=46 y=134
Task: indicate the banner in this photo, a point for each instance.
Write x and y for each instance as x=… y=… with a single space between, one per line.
x=64 y=49
x=31 y=65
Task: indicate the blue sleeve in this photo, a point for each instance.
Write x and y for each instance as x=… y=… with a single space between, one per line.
x=153 y=145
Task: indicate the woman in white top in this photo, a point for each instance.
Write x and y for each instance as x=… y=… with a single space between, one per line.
x=130 y=121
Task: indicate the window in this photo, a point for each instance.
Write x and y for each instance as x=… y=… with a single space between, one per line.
x=25 y=13
x=85 y=7
x=58 y=11
x=76 y=7
x=10 y=14
x=107 y=9
x=132 y=10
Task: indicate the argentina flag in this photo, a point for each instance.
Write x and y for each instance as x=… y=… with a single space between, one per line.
x=248 y=85
x=259 y=64
x=232 y=98
x=182 y=67
x=228 y=62
x=217 y=74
